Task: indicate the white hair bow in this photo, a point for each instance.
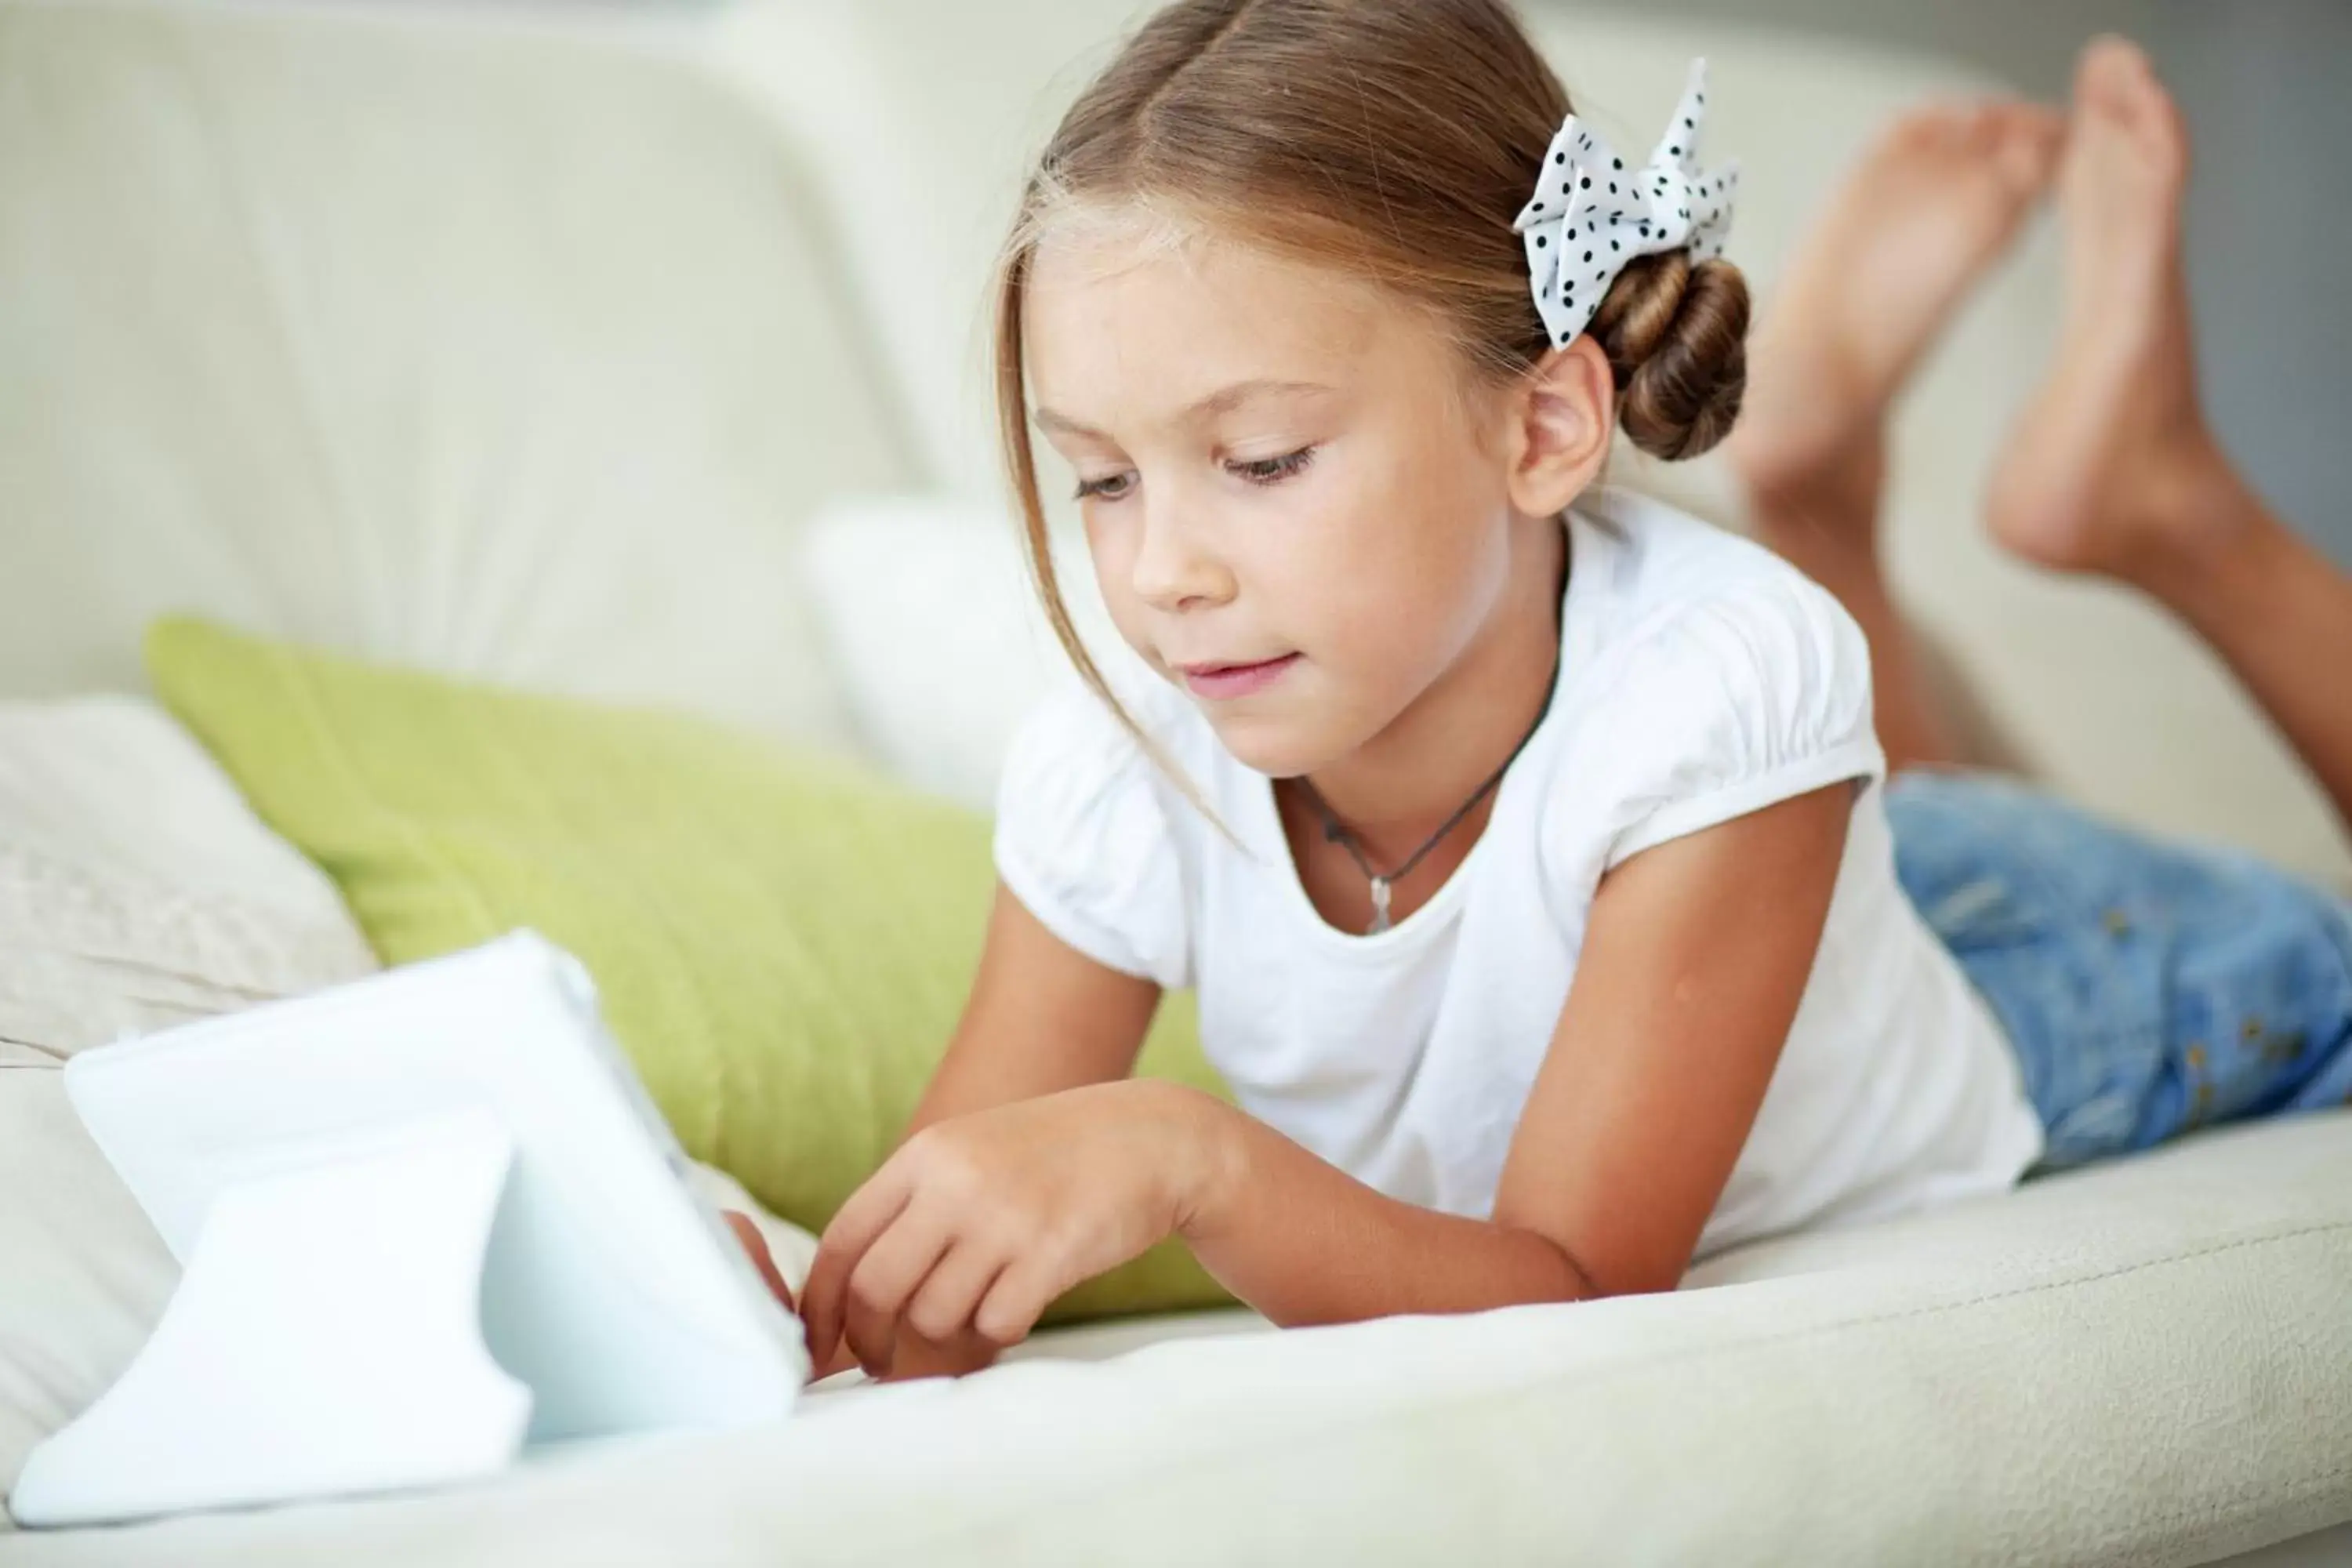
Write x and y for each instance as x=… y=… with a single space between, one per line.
x=1591 y=214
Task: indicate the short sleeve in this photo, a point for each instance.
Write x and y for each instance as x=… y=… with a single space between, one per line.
x=1755 y=693
x=1084 y=840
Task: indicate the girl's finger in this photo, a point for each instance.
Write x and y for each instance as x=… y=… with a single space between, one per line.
x=914 y=1356
x=747 y=1235
x=868 y=1212
x=941 y=1311
x=885 y=1278
x=1011 y=1308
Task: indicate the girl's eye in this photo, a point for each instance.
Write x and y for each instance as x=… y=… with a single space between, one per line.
x=1108 y=488
x=1257 y=471
x=1274 y=470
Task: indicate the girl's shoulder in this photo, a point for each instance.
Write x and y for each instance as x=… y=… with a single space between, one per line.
x=1702 y=677
x=1649 y=564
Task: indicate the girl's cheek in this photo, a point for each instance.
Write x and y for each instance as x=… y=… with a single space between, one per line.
x=1108 y=550
x=1113 y=579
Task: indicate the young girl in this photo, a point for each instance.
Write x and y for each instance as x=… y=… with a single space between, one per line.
x=1528 y=843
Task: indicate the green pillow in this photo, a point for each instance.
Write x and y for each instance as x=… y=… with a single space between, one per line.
x=781 y=941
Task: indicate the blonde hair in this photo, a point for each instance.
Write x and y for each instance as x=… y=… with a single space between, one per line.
x=1394 y=139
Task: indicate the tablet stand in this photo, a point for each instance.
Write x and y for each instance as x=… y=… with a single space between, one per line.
x=427 y=1219
x=326 y=1337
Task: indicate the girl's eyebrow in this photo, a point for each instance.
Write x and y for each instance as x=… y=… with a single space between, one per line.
x=1222 y=401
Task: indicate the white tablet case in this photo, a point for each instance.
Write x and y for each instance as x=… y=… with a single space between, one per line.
x=424 y=1219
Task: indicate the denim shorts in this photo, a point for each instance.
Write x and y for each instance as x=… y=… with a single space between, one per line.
x=2148 y=986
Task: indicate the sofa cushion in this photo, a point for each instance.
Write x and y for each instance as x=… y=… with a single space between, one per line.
x=2145 y=1362
x=781 y=941
x=136 y=889
x=924 y=608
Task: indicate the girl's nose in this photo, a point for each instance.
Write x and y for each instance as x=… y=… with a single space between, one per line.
x=1174 y=569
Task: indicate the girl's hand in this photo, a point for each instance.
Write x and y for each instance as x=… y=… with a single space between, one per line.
x=917 y=1357
x=979 y=1222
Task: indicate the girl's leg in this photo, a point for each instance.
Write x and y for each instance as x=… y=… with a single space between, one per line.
x=1930 y=206
x=2149 y=987
x=2113 y=469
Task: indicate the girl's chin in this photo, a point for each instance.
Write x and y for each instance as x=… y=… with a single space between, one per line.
x=1277 y=745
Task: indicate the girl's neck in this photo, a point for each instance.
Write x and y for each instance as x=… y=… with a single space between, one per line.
x=1394 y=791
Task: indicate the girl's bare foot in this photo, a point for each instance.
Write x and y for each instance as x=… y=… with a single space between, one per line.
x=1932 y=202
x=1930 y=206
x=2113 y=469
x=2112 y=464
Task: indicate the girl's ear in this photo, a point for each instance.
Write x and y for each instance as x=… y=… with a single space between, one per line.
x=1563 y=415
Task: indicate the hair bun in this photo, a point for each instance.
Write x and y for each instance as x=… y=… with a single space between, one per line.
x=1676 y=338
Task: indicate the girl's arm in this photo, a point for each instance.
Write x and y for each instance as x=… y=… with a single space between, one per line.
x=1695 y=958
x=1042 y=1018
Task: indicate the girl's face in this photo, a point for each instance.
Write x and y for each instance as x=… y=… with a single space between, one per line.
x=1298 y=512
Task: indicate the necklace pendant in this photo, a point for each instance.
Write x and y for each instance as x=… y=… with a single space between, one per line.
x=1379 y=905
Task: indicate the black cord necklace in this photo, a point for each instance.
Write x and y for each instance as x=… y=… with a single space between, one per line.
x=1335 y=831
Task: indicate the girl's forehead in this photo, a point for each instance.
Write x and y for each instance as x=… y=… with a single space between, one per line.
x=1110 y=293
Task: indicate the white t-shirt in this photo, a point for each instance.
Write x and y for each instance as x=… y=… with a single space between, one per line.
x=1701 y=678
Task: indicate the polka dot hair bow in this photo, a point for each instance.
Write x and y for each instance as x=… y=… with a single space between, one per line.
x=1591 y=214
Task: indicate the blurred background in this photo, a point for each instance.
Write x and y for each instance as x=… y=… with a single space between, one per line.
x=637 y=348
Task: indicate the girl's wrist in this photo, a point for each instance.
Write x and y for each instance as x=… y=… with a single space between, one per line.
x=1202 y=1152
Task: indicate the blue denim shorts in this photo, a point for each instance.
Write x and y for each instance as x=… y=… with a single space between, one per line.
x=2148 y=986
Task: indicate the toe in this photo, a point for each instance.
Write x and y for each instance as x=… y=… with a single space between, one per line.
x=2029 y=138
x=1901 y=134
x=2110 y=75
x=1930 y=128
x=2116 y=87
x=2040 y=124
x=1979 y=123
x=2156 y=121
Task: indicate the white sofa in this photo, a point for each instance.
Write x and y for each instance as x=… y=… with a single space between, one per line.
x=560 y=345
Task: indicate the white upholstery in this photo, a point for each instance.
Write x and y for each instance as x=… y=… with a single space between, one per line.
x=2138 y=1364
x=947 y=575
x=487 y=347
x=525 y=342
x=137 y=891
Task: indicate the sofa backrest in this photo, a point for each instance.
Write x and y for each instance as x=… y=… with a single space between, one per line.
x=455 y=337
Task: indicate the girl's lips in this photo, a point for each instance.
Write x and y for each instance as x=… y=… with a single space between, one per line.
x=1225 y=682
